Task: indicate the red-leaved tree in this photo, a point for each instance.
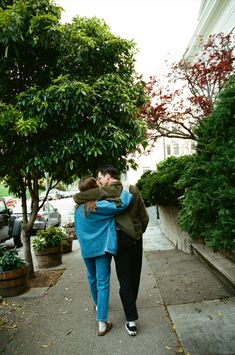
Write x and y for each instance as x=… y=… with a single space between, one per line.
x=187 y=93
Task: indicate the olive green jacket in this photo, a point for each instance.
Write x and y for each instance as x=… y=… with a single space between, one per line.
x=134 y=220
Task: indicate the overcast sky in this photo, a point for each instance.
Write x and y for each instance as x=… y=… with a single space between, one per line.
x=161 y=29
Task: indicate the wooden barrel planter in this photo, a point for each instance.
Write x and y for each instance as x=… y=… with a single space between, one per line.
x=13 y=282
x=71 y=232
x=67 y=248
x=49 y=257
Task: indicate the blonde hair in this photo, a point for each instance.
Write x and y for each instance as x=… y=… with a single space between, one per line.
x=86 y=183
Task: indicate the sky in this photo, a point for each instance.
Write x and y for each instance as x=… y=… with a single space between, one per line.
x=161 y=29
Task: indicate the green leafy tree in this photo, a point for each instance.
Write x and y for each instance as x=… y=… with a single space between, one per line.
x=69 y=100
x=208 y=209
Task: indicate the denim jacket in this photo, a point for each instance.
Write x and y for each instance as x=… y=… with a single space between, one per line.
x=96 y=231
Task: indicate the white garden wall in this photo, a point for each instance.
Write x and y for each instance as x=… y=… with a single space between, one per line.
x=168 y=224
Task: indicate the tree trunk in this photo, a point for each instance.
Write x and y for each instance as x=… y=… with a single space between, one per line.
x=27 y=252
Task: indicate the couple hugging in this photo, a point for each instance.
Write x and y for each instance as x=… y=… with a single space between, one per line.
x=110 y=221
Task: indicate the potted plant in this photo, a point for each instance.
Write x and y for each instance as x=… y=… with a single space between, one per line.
x=47 y=246
x=70 y=235
x=13 y=273
x=69 y=229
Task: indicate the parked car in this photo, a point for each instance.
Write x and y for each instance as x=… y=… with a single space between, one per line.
x=68 y=193
x=53 y=194
x=10 y=227
x=64 y=194
x=71 y=193
x=11 y=221
x=54 y=218
x=10 y=201
x=42 y=220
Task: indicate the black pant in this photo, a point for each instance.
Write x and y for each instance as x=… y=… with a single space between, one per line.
x=128 y=268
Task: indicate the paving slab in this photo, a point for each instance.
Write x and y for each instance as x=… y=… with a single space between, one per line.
x=182 y=278
x=153 y=239
x=155 y=336
x=206 y=328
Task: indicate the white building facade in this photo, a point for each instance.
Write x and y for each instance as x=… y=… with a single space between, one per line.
x=162 y=149
x=215 y=16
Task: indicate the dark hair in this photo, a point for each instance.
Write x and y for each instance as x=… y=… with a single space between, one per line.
x=109 y=169
x=86 y=183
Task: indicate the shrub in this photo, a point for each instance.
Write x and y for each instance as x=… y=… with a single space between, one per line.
x=161 y=187
x=208 y=209
x=144 y=184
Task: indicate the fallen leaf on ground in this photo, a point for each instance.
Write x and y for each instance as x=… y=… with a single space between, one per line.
x=179 y=350
x=168 y=347
x=220 y=314
x=46 y=345
x=2 y=322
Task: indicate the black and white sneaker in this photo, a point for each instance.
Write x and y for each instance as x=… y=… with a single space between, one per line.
x=131 y=330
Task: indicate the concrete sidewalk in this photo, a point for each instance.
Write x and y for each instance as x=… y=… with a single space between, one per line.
x=183 y=309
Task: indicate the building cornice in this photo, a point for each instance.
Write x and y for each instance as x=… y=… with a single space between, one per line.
x=214 y=16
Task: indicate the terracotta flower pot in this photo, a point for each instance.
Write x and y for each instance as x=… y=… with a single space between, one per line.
x=71 y=232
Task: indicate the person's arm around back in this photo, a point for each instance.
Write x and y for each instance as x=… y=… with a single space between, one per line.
x=99 y=193
x=111 y=208
x=141 y=210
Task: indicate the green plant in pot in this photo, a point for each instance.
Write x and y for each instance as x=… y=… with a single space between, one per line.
x=47 y=246
x=50 y=237
x=13 y=273
x=10 y=260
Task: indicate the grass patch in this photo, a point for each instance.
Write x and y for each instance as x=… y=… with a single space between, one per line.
x=4 y=191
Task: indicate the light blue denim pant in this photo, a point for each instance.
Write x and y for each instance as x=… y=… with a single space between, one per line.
x=98 y=274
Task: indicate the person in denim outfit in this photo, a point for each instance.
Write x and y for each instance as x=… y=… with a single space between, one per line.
x=96 y=232
x=130 y=225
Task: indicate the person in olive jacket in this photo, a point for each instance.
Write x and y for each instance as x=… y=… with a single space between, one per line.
x=130 y=227
x=95 y=229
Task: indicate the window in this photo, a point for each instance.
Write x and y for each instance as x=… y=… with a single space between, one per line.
x=176 y=150
x=168 y=149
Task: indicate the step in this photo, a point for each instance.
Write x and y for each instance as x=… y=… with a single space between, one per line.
x=218 y=263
